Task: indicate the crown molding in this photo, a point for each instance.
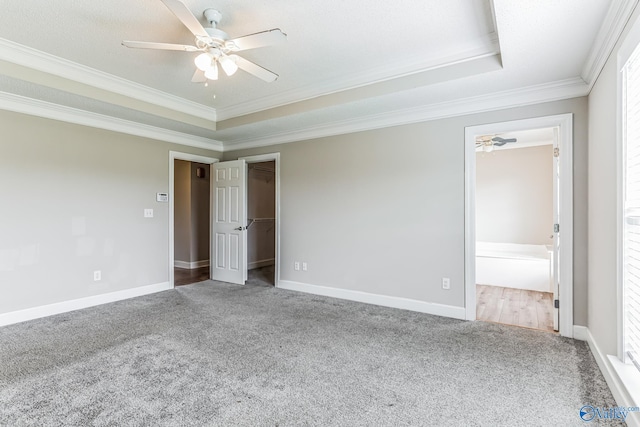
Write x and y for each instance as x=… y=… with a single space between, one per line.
x=554 y=91
x=485 y=46
x=612 y=27
x=32 y=58
x=48 y=110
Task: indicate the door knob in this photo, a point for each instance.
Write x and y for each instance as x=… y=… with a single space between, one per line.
x=240 y=228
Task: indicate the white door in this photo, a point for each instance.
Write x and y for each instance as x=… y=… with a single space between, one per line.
x=229 y=222
x=555 y=258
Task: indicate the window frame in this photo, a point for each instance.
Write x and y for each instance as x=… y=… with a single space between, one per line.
x=627 y=50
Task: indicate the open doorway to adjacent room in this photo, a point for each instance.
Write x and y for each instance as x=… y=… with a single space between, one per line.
x=191 y=222
x=514 y=228
x=519 y=223
x=189 y=217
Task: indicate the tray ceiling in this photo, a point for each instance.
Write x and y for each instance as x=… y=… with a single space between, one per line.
x=342 y=63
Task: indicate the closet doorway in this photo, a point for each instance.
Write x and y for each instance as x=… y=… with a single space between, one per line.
x=262 y=223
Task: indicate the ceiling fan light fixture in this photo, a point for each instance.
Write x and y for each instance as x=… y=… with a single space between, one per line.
x=204 y=61
x=228 y=64
x=212 y=72
x=487 y=148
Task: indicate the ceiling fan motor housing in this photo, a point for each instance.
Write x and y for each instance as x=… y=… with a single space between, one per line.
x=213 y=16
x=217 y=36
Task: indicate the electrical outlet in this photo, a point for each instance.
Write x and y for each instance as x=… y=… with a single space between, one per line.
x=148 y=213
x=446 y=283
x=304 y=266
x=296 y=266
x=97 y=275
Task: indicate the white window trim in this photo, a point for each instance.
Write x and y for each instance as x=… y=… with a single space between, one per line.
x=628 y=375
x=624 y=53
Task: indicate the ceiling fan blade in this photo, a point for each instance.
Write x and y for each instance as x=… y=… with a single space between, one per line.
x=183 y=13
x=503 y=140
x=198 y=76
x=161 y=46
x=255 y=69
x=252 y=41
x=499 y=144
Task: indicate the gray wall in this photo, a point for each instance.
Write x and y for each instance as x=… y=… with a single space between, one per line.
x=383 y=211
x=379 y=211
x=514 y=195
x=72 y=202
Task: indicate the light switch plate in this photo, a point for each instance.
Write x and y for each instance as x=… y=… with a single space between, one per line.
x=148 y=213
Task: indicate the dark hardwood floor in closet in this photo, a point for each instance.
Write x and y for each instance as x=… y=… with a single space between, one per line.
x=185 y=276
x=259 y=276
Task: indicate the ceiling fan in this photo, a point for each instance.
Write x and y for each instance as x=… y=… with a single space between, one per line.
x=487 y=143
x=217 y=49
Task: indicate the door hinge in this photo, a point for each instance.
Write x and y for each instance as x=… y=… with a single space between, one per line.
x=556 y=152
x=556 y=228
x=556 y=303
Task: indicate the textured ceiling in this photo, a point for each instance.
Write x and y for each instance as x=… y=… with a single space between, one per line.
x=342 y=60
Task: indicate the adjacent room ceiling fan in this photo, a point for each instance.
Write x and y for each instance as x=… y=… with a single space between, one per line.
x=488 y=142
x=217 y=49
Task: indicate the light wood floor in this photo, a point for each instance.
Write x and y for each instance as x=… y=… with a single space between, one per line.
x=530 y=309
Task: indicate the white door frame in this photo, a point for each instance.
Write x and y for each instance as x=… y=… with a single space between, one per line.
x=564 y=123
x=267 y=158
x=176 y=155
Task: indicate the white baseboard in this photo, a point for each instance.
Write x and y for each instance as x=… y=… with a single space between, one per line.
x=191 y=265
x=580 y=332
x=77 y=304
x=383 y=300
x=262 y=263
x=619 y=391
